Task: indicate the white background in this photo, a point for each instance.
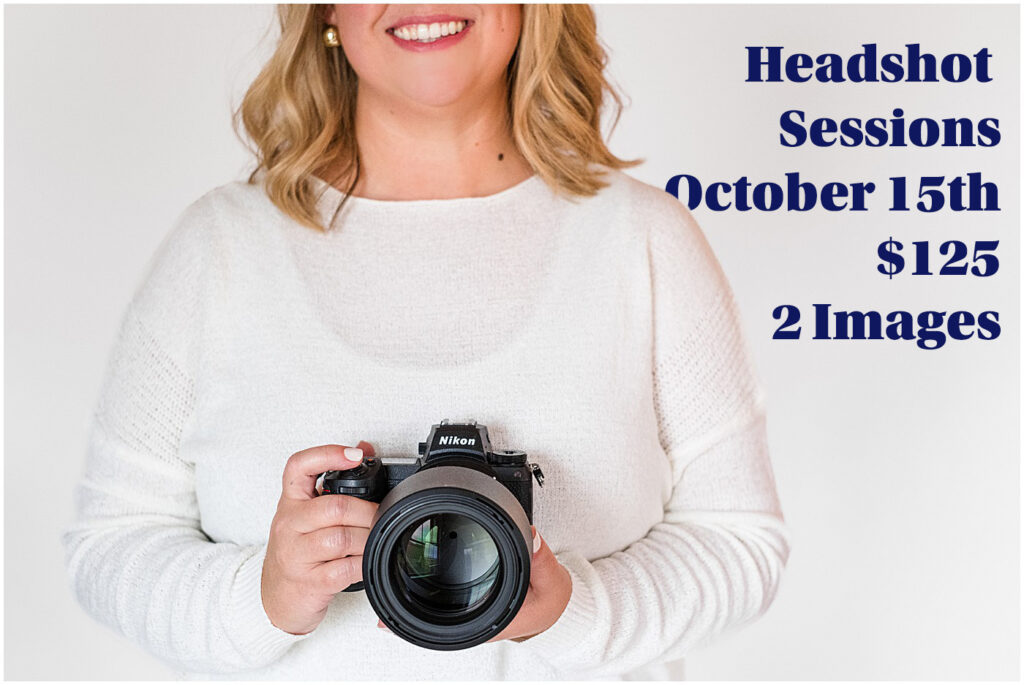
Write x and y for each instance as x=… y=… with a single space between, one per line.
x=897 y=467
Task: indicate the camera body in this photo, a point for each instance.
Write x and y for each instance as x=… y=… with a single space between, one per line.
x=449 y=444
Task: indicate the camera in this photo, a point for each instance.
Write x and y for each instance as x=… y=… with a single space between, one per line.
x=447 y=562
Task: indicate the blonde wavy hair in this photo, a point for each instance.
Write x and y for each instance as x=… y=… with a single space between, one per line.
x=299 y=112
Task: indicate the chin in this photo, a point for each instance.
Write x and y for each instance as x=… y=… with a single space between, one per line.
x=439 y=91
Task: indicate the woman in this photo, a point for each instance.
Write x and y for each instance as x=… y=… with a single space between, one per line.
x=434 y=229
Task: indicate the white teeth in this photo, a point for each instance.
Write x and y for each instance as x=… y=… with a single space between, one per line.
x=428 y=33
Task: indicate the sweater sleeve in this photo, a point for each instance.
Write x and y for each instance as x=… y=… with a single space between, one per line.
x=715 y=560
x=136 y=554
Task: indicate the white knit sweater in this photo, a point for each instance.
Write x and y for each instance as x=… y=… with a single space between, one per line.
x=598 y=335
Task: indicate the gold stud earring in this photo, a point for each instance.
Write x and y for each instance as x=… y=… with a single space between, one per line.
x=331 y=36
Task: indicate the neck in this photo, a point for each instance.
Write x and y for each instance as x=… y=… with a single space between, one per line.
x=412 y=152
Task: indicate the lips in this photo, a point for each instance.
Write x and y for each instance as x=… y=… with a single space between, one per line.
x=423 y=32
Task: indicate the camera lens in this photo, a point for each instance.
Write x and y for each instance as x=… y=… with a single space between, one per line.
x=445 y=564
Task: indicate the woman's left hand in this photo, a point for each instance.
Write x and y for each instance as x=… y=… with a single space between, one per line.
x=550 y=589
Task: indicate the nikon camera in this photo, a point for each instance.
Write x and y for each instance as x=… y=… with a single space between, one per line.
x=447 y=562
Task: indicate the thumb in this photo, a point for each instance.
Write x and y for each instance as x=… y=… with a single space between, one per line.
x=367 y=448
x=550 y=582
x=543 y=564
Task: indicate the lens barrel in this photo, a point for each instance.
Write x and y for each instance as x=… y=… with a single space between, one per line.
x=447 y=562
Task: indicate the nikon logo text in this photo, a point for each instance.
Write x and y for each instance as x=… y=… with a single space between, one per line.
x=455 y=440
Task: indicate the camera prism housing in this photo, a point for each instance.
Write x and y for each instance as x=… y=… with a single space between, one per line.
x=447 y=562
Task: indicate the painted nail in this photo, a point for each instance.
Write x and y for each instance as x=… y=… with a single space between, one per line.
x=353 y=454
x=536 y=541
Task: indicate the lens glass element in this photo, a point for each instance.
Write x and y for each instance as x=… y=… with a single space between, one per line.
x=446 y=565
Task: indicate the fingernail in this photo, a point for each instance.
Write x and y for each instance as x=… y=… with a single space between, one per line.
x=353 y=454
x=536 y=541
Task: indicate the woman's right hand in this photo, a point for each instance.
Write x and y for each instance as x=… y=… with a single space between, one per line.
x=316 y=543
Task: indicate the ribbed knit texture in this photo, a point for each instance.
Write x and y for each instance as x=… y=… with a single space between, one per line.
x=598 y=334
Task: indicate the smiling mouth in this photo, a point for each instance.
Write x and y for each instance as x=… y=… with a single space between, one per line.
x=428 y=33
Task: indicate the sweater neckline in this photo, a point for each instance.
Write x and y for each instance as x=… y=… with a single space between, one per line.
x=331 y=189
x=329 y=197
